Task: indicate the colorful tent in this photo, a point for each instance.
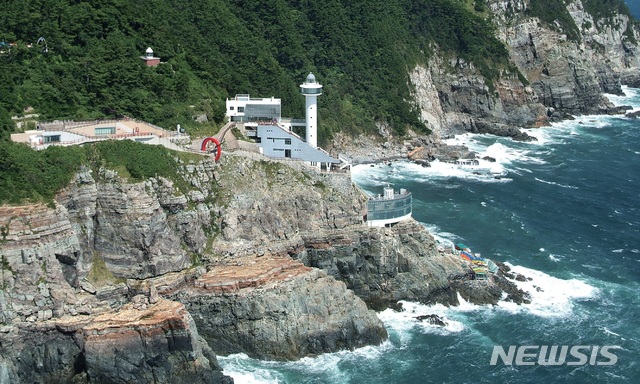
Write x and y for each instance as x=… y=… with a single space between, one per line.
x=469 y=256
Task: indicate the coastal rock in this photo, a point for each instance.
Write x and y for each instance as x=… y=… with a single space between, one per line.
x=161 y=344
x=569 y=74
x=276 y=308
x=504 y=130
x=39 y=251
x=89 y=271
x=454 y=103
x=432 y=319
x=384 y=266
x=633 y=115
x=155 y=345
x=554 y=70
x=132 y=233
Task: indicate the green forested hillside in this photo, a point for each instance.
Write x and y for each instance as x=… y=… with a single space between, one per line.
x=214 y=49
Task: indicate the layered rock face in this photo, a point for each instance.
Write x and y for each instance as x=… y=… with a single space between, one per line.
x=320 y=222
x=87 y=258
x=460 y=102
x=402 y=263
x=569 y=75
x=153 y=343
x=132 y=234
x=277 y=308
x=384 y=266
x=158 y=343
x=139 y=280
x=266 y=206
x=59 y=327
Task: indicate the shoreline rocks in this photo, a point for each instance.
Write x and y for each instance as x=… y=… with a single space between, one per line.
x=157 y=344
x=278 y=309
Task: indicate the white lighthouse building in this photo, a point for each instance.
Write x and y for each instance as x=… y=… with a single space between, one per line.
x=311 y=89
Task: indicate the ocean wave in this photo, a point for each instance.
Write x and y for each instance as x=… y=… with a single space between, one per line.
x=445 y=239
x=402 y=171
x=566 y=131
x=557 y=184
x=631 y=97
x=405 y=322
x=494 y=147
x=244 y=369
x=555 y=258
x=550 y=296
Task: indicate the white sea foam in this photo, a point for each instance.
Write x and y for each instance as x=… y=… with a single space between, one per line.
x=561 y=132
x=492 y=146
x=558 y=184
x=445 y=239
x=631 y=97
x=382 y=174
x=610 y=332
x=550 y=296
x=406 y=322
x=555 y=258
x=244 y=369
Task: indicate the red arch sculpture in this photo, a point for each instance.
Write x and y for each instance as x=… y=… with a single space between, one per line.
x=218 y=147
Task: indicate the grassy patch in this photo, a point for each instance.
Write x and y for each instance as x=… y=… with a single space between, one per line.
x=100 y=275
x=36 y=176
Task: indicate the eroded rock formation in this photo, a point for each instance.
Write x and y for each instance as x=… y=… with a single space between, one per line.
x=127 y=279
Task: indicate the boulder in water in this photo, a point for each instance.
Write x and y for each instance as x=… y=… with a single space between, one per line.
x=432 y=319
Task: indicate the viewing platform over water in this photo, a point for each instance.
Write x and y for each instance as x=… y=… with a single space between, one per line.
x=389 y=208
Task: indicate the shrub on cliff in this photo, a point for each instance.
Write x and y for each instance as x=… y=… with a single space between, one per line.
x=35 y=176
x=29 y=176
x=554 y=13
x=140 y=161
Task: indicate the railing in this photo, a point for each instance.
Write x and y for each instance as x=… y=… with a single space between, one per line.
x=230 y=125
x=55 y=125
x=385 y=209
x=68 y=124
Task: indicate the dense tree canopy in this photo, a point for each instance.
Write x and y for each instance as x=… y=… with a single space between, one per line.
x=87 y=64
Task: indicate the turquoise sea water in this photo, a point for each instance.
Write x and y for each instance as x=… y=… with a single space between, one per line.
x=634 y=6
x=567 y=215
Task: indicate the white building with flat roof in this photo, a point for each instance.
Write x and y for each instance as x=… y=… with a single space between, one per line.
x=243 y=108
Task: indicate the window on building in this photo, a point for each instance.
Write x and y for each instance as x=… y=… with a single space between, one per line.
x=231 y=108
x=240 y=109
x=105 y=131
x=287 y=153
x=52 y=139
x=287 y=141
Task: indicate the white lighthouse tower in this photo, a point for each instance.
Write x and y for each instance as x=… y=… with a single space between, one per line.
x=311 y=90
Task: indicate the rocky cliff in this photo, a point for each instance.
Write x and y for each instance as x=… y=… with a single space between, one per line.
x=142 y=279
x=555 y=75
x=559 y=75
